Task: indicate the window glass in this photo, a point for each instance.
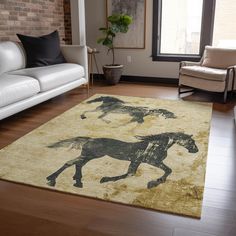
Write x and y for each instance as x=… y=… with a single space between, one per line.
x=181 y=26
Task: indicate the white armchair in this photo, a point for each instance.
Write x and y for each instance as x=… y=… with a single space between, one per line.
x=215 y=72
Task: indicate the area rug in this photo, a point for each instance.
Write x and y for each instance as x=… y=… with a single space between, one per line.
x=139 y=151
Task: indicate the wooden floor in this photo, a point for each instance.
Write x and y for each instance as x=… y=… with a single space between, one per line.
x=32 y=211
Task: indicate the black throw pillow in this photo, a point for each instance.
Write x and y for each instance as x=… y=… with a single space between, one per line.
x=42 y=51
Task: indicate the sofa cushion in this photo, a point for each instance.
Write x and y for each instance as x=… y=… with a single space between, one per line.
x=42 y=51
x=51 y=77
x=12 y=57
x=16 y=88
x=204 y=72
x=220 y=58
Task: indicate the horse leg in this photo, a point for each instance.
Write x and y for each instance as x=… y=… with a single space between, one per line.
x=83 y=116
x=155 y=183
x=78 y=171
x=102 y=116
x=137 y=118
x=52 y=178
x=131 y=171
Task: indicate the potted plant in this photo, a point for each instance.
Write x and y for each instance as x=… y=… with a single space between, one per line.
x=117 y=23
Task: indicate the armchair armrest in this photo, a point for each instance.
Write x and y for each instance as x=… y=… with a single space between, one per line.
x=189 y=63
x=231 y=73
x=232 y=67
x=76 y=54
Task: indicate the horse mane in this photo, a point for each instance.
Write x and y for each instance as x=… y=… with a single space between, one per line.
x=112 y=99
x=148 y=137
x=156 y=137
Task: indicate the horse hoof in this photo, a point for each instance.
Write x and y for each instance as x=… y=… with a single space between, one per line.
x=152 y=184
x=155 y=183
x=78 y=185
x=51 y=183
x=105 y=179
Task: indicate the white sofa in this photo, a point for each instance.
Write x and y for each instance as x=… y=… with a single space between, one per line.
x=21 y=88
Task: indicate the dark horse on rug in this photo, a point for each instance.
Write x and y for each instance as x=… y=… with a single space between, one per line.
x=115 y=105
x=149 y=149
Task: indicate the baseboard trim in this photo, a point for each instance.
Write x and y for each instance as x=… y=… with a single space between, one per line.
x=143 y=79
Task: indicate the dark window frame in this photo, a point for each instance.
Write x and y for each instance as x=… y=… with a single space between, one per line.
x=205 y=38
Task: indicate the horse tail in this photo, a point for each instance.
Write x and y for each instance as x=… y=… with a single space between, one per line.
x=73 y=143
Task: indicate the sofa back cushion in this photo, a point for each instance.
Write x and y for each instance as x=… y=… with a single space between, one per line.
x=12 y=57
x=220 y=58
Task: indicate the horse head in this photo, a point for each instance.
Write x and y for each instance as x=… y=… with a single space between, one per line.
x=187 y=141
x=105 y=99
x=167 y=114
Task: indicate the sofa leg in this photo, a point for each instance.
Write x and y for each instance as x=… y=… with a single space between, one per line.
x=87 y=86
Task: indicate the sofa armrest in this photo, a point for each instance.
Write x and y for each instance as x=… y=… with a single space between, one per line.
x=76 y=54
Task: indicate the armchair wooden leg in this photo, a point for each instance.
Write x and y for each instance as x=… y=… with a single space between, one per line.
x=225 y=95
x=189 y=90
x=179 y=90
x=226 y=85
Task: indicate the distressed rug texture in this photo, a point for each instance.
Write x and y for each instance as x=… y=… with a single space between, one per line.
x=138 y=151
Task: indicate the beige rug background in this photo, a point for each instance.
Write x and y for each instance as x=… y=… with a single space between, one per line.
x=29 y=160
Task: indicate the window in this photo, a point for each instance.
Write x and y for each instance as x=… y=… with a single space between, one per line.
x=181 y=28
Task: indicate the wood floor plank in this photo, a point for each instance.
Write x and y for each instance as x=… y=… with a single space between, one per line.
x=26 y=210
x=223 y=178
x=218 y=198
x=34 y=226
x=184 y=232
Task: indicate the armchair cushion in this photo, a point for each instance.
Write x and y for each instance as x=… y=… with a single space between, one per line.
x=220 y=58
x=204 y=72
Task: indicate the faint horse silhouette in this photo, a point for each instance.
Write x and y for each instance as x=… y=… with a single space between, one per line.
x=115 y=105
x=149 y=149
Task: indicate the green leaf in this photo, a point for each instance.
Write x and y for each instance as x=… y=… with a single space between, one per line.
x=115 y=28
x=108 y=42
x=100 y=40
x=124 y=29
x=127 y=19
x=113 y=18
x=111 y=33
x=102 y=29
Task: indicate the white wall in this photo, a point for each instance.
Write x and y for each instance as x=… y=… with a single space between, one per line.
x=142 y=64
x=224 y=31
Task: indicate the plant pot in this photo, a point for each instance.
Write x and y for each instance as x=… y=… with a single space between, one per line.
x=112 y=73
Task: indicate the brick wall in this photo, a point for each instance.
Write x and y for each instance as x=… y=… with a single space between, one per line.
x=34 y=17
x=67 y=21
